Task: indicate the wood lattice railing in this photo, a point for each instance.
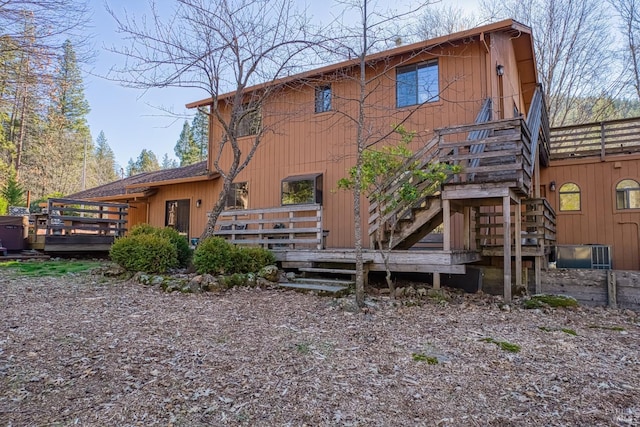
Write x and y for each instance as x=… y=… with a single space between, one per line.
x=596 y=139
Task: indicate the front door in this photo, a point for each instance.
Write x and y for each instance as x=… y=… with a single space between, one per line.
x=177 y=215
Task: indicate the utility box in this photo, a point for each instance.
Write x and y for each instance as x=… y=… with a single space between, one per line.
x=13 y=232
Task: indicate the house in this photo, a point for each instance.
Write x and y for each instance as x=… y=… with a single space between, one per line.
x=472 y=98
x=593 y=184
x=169 y=197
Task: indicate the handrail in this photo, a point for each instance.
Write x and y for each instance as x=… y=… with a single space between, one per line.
x=483 y=116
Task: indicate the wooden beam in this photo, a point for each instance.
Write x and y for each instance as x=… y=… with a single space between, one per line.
x=538 y=272
x=446 y=220
x=467 y=227
x=506 y=209
x=436 y=280
x=518 y=239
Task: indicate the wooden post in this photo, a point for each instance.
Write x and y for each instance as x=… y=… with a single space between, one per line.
x=446 y=220
x=436 y=280
x=612 y=289
x=467 y=227
x=518 y=238
x=602 y=145
x=506 y=216
x=538 y=272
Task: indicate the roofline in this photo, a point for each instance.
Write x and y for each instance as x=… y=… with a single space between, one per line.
x=507 y=24
x=207 y=177
x=115 y=197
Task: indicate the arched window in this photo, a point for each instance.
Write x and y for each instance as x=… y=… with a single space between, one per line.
x=628 y=194
x=569 y=197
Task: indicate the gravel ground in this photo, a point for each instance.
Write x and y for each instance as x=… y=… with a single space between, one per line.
x=85 y=350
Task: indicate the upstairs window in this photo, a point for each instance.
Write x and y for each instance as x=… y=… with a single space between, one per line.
x=628 y=194
x=302 y=189
x=238 y=197
x=417 y=84
x=323 y=99
x=250 y=122
x=569 y=197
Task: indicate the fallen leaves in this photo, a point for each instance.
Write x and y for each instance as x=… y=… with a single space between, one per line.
x=92 y=352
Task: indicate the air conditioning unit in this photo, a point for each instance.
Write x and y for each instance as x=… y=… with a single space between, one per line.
x=596 y=257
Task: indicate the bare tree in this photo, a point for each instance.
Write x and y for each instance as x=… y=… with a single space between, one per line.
x=629 y=13
x=439 y=20
x=376 y=30
x=572 y=47
x=225 y=48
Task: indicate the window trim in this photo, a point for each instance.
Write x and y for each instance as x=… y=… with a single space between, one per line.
x=569 y=192
x=317 y=188
x=233 y=191
x=625 y=192
x=416 y=67
x=320 y=99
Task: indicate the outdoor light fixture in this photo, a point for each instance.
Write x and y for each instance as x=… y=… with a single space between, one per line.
x=500 y=70
x=198 y=203
x=552 y=186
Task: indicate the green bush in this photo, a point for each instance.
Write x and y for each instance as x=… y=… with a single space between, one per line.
x=148 y=253
x=4 y=206
x=180 y=242
x=215 y=255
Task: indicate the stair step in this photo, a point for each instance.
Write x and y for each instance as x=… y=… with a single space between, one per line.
x=320 y=288
x=323 y=281
x=327 y=270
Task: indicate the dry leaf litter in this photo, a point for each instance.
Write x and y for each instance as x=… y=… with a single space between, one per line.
x=86 y=350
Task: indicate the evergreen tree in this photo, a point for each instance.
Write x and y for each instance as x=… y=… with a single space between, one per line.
x=200 y=133
x=146 y=162
x=168 y=163
x=12 y=191
x=186 y=149
x=69 y=99
x=105 y=161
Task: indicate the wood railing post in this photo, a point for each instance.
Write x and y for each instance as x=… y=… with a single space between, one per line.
x=602 y=144
x=506 y=218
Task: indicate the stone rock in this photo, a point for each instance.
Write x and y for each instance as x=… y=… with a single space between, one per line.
x=399 y=292
x=157 y=280
x=263 y=283
x=252 y=280
x=421 y=292
x=410 y=291
x=290 y=276
x=270 y=272
x=110 y=270
x=142 y=278
x=197 y=279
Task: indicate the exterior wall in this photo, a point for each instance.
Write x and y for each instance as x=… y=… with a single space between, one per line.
x=598 y=221
x=137 y=214
x=191 y=191
x=302 y=142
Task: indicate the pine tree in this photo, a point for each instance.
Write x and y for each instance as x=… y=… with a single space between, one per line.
x=146 y=162
x=69 y=100
x=12 y=191
x=200 y=133
x=105 y=162
x=168 y=163
x=186 y=149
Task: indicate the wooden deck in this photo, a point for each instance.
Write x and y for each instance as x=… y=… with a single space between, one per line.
x=601 y=139
x=72 y=225
x=451 y=262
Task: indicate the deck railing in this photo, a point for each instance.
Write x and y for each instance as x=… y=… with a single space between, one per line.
x=538 y=227
x=506 y=156
x=82 y=217
x=596 y=139
x=281 y=228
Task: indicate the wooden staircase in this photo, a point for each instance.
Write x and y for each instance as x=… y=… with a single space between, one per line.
x=500 y=153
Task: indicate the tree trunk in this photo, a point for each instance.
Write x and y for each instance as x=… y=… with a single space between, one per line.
x=217 y=209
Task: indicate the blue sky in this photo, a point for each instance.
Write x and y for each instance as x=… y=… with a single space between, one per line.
x=131 y=119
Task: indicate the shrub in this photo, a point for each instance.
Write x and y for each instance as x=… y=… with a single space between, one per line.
x=215 y=255
x=148 y=253
x=180 y=242
x=555 y=301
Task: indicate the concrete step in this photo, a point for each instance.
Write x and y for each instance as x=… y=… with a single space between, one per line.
x=319 y=288
x=322 y=281
x=327 y=270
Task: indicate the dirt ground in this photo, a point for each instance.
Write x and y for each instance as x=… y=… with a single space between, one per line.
x=90 y=351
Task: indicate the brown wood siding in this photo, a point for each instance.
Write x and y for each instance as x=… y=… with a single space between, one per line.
x=598 y=221
x=204 y=191
x=304 y=142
